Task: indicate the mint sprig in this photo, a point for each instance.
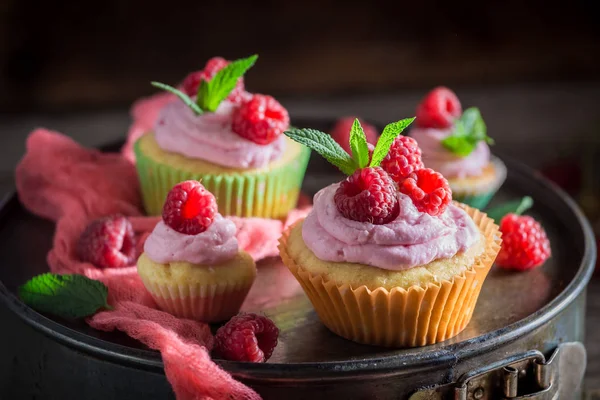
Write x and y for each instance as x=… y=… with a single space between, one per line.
x=67 y=296
x=358 y=144
x=515 y=207
x=389 y=134
x=213 y=92
x=469 y=130
x=184 y=97
x=323 y=144
x=326 y=146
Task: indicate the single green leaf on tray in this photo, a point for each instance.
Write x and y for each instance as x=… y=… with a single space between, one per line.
x=184 y=97
x=390 y=132
x=515 y=207
x=67 y=296
x=324 y=144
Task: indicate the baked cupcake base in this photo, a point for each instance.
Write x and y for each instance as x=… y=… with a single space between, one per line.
x=204 y=293
x=269 y=192
x=410 y=316
x=478 y=191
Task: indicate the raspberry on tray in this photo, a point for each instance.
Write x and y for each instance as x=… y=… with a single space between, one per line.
x=247 y=337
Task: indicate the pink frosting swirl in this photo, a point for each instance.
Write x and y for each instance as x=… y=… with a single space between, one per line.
x=413 y=238
x=438 y=158
x=209 y=137
x=213 y=246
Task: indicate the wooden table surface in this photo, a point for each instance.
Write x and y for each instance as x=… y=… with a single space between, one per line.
x=554 y=120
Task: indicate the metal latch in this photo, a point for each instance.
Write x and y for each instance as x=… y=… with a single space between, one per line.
x=522 y=376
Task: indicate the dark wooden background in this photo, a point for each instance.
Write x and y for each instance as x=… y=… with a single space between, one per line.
x=73 y=54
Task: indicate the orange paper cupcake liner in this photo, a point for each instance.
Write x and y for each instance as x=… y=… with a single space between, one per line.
x=417 y=316
x=206 y=303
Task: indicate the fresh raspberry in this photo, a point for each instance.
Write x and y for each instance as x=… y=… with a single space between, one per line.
x=247 y=337
x=524 y=243
x=368 y=195
x=438 y=109
x=341 y=132
x=108 y=243
x=261 y=119
x=429 y=191
x=189 y=208
x=403 y=159
x=192 y=81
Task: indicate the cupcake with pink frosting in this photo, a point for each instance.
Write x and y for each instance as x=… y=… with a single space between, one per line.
x=387 y=258
x=191 y=264
x=216 y=132
x=455 y=143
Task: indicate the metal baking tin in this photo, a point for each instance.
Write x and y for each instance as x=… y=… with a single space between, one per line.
x=510 y=347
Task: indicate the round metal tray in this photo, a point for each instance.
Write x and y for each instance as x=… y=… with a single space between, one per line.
x=510 y=304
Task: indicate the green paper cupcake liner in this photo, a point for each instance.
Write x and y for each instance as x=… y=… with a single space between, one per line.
x=266 y=193
x=480 y=196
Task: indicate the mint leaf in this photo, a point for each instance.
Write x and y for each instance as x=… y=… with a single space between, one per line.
x=67 y=296
x=516 y=207
x=323 y=144
x=390 y=132
x=459 y=145
x=184 y=97
x=358 y=144
x=212 y=93
x=469 y=130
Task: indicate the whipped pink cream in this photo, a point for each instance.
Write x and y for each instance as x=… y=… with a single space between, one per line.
x=437 y=157
x=213 y=246
x=413 y=238
x=209 y=137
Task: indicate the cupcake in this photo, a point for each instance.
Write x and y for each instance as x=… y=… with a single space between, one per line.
x=191 y=264
x=455 y=143
x=389 y=264
x=230 y=140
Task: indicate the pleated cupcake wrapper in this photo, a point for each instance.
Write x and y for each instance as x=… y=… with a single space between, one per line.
x=206 y=303
x=271 y=193
x=417 y=316
x=480 y=196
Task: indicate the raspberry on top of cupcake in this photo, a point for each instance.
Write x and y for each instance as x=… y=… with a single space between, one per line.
x=217 y=120
x=455 y=143
x=218 y=132
x=381 y=252
x=192 y=264
x=392 y=220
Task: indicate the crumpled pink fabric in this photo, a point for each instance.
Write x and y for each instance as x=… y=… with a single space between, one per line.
x=59 y=180
x=144 y=113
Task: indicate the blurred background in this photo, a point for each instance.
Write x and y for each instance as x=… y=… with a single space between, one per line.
x=68 y=55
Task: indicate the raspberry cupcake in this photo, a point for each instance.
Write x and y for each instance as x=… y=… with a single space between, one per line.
x=227 y=138
x=386 y=264
x=455 y=143
x=191 y=263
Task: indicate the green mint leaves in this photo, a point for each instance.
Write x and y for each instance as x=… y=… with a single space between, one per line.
x=212 y=93
x=184 y=97
x=390 y=132
x=324 y=144
x=515 y=207
x=358 y=145
x=67 y=296
x=469 y=130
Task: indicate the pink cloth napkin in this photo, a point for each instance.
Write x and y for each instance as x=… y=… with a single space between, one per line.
x=59 y=180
